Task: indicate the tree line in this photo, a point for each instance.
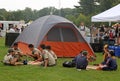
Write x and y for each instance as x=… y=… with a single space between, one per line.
x=80 y=13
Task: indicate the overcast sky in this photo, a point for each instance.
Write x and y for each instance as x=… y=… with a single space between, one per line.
x=36 y=4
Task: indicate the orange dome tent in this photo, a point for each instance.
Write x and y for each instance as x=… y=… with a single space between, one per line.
x=61 y=34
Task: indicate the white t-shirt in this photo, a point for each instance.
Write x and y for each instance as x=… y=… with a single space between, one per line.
x=11 y=30
x=82 y=28
x=8 y=58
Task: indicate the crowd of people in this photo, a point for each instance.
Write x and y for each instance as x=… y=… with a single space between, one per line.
x=45 y=56
x=110 y=33
x=81 y=61
x=15 y=29
x=108 y=36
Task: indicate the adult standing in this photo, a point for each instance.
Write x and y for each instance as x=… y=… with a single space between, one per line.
x=82 y=29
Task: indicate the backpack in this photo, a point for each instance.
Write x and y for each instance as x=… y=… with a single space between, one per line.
x=68 y=64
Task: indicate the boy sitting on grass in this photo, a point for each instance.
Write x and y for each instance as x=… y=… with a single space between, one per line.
x=36 y=54
x=48 y=59
x=81 y=60
x=110 y=63
x=10 y=58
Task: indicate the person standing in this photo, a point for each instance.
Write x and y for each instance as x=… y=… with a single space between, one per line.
x=82 y=29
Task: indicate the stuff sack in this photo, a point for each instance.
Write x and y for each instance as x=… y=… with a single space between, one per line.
x=68 y=64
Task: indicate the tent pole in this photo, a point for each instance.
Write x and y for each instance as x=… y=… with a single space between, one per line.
x=61 y=35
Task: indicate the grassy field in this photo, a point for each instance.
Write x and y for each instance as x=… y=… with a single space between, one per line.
x=57 y=73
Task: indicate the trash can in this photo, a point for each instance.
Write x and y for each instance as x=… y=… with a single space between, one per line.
x=117 y=51
x=111 y=48
x=10 y=38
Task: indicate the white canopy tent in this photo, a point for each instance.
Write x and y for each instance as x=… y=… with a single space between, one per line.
x=110 y=15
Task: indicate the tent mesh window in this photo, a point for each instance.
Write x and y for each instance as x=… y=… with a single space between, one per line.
x=61 y=34
x=68 y=35
x=53 y=35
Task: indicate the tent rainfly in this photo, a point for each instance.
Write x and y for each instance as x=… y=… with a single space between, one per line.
x=110 y=15
x=58 y=32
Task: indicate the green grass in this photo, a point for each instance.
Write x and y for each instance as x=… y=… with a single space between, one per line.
x=57 y=73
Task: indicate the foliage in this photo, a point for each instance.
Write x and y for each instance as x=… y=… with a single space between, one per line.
x=106 y=4
x=71 y=18
x=86 y=6
x=82 y=12
x=3 y=14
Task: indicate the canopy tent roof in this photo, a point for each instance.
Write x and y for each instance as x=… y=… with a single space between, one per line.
x=110 y=15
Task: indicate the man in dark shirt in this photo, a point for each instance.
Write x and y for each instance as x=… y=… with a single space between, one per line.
x=111 y=63
x=81 y=60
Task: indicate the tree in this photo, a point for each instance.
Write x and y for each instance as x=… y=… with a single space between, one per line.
x=106 y=4
x=28 y=14
x=66 y=11
x=2 y=17
x=71 y=18
x=10 y=16
x=18 y=15
x=79 y=19
x=116 y=2
x=86 y=6
x=81 y=13
x=44 y=11
x=3 y=14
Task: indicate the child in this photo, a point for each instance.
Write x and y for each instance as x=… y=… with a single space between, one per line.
x=10 y=58
x=52 y=52
x=81 y=60
x=110 y=64
x=47 y=57
x=36 y=54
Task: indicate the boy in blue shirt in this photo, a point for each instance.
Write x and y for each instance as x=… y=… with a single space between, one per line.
x=81 y=60
x=111 y=63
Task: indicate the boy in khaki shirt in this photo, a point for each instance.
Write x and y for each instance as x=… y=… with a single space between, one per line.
x=47 y=57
